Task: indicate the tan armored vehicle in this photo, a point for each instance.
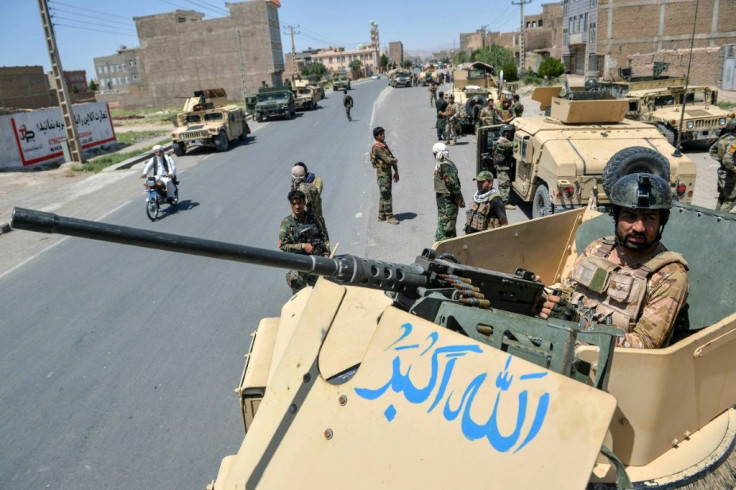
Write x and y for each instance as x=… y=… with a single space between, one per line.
x=305 y=95
x=399 y=77
x=658 y=100
x=208 y=120
x=319 y=87
x=473 y=85
x=428 y=76
x=559 y=159
x=432 y=385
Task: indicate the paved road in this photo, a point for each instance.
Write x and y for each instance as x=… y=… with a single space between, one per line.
x=118 y=363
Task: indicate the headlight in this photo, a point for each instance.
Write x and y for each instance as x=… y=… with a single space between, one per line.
x=722 y=121
x=690 y=125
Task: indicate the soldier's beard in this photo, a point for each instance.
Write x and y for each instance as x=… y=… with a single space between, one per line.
x=634 y=241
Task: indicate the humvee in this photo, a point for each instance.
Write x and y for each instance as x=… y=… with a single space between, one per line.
x=473 y=85
x=351 y=387
x=319 y=87
x=306 y=96
x=275 y=102
x=559 y=159
x=207 y=120
x=399 y=77
x=340 y=81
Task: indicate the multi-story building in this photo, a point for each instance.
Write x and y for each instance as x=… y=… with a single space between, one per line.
x=338 y=59
x=471 y=41
x=118 y=72
x=25 y=87
x=181 y=52
x=396 y=52
x=579 y=38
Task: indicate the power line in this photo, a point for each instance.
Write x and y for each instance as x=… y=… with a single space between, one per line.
x=90 y=10
x=199 y=5
x=84 y=21
x=86 y=16
x=96 y=30
x=175 y=5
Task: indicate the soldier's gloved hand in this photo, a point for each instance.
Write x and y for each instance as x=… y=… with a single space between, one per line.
x=558 y=307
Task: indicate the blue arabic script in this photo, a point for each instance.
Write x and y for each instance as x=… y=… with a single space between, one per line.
x=442 y=364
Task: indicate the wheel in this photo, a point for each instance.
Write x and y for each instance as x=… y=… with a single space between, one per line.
x=221 y=141
x=244 y=134
x=179 y=148
x=668 y=133
x=152 y=209
x=542 y=204
x=632 y=160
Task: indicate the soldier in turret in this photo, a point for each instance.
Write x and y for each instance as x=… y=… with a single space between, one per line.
x=503 y=161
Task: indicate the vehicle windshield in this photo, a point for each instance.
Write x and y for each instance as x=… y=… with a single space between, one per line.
x=697 y=96
x=214 y=116
x=664 y=101
x=274 y=96
x=193 y=118
x=305 y=91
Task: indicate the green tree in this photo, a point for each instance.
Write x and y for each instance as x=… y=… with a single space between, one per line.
x=355 y=65
x=461 y=57
x=75 y=89
x=445 y=60
x=383 y=62
x=509 y=72
x=407 y=63
x=314 y=69
x=93 y=86
x=495 y=55
x=552 y=68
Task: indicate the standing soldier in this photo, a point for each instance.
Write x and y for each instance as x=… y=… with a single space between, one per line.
x=451 y=113
x=433 y=94
x=312 y=197
x=347 y=101
x=489 y=115
x=441 y=106
x=487 y=210
x=447 y=192
x=384 y=161
x=505 y=113
x=503 y=160
x=517 y=107
x=724 y=151
x=302 y=233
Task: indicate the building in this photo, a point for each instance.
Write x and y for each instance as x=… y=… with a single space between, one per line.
x=118 y=72
x=472 y=41
x=25 y=87
x=579 y=38
x=636 y=35
x=543 y=35
x=396 y=52
x=338 y=59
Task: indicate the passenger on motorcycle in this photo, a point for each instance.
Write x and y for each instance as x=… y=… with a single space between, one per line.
x=163 y=169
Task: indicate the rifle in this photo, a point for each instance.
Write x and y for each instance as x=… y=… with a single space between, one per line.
x=491 y=307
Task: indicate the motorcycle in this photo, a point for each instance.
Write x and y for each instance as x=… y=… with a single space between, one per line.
x=156 y=196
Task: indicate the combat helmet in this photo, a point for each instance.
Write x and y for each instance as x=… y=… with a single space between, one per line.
x=730 y=126
x=642 y=191
x=507 y=127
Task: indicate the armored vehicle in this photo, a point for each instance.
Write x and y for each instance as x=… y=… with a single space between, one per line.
x=319 y=87
x=399 y=77
x=559 y=159
x=473 y=84
x=340 y=81
x=428 y=76
x=207 y=120
x=351 y=387
x=275 y=102
x=306 y=97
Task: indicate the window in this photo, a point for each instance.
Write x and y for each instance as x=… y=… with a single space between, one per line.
x=181 y=20
x=592 y=32
x=593 y=3
x=585 y=22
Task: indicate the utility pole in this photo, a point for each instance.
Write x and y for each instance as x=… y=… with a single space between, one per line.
x=242 y=71
x=61 y=89
x=293 y=49
x=522 y=50
x=483 y=39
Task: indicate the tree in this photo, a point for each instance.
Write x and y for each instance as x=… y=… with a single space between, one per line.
x=355 y=65
x=314 y=69
x=445 y=60
x=93 y=86
x=552 y=68
x=495 y=55
x=509 y=72
x=407 y=63
x=75 y=89
x=461 y=57
x=383 y=62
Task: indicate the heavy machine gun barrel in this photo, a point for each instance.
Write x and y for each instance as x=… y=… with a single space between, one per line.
x=345 y=269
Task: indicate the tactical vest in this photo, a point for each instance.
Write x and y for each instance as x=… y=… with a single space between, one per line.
x=613 y=294
x=440 y=186
x=723 y=144
x=505 y=113
x=479 y=214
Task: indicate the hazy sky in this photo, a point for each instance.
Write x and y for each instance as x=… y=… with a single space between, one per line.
x=86 y=29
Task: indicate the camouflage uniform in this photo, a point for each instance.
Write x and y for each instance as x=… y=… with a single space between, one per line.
x=450 y=131
x=347 y=101
x=448 y=195
x=432 y=95
x=488 y=116
x=383 y=161
x=503 y=114
x=480 y=216
x=517 y=108
x=643 y=300
x=441 y=106
x=724 y=151
x=313 y=200
x=292 y=234
x=503 y=155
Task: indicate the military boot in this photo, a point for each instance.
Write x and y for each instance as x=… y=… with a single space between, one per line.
x=392 y=220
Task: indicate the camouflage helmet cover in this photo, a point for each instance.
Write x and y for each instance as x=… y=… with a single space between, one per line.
x=507 y=127
x=641 y=191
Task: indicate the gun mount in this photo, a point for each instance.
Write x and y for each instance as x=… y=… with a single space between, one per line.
x=463 y=298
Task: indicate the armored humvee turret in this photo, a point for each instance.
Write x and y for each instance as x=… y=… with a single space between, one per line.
x=208 y=120
x=559 y=159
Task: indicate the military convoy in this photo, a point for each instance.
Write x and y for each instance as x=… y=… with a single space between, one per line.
x=354 y=387
x=208 y=120
x=275 y=102
x=559 y=159
x=658 y=100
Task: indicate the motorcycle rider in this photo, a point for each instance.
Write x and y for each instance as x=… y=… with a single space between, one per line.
x=162 y=167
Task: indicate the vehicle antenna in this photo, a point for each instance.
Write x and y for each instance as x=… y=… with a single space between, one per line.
x=677 y=152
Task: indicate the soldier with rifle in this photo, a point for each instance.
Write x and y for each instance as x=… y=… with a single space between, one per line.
x=302 y=233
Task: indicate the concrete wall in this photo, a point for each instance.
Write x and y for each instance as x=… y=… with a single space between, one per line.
x=25 y=87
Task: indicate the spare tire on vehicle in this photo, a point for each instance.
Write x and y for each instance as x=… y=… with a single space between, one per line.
x=469 y=104
x=632 y=160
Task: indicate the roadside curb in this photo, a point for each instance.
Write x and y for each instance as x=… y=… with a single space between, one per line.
x=125 y=164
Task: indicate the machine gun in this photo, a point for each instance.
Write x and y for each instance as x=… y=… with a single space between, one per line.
x=492 y=307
